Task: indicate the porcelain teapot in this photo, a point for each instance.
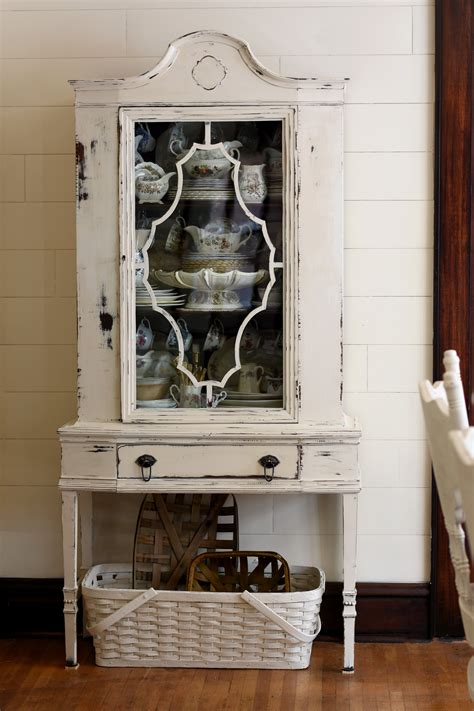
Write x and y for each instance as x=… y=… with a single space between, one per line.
x=151 y=182
x=210 y=163
x=219 y=237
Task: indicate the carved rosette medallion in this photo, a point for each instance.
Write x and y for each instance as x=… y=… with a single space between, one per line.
x=209 y=72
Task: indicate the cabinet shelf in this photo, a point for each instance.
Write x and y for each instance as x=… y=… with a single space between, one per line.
x=269 y=210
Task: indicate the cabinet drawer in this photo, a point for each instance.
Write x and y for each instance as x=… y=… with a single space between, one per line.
x=337 y=463
x=206 y=461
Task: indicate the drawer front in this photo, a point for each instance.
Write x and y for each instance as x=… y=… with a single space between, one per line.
x=337 y=463
x=89 y=461
x=193 y=461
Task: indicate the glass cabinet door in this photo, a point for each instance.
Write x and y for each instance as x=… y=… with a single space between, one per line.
x=207 y=209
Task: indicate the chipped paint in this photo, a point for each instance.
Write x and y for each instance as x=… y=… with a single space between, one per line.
x=106 y=320
x=82 y=193
x=98 y=448
x=300 y=462
x=80 y=160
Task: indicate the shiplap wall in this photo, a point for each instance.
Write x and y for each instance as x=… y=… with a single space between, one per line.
x=386 y=48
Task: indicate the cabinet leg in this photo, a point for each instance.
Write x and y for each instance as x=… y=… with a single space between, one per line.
x=70 y=541
x=349 y=588
x=85 y=518
x=86 y=527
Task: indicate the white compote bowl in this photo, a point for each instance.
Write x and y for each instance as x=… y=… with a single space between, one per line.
x=214 y=291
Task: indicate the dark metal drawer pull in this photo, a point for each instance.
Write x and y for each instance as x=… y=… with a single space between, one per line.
x=269 y=462
x=146 y=461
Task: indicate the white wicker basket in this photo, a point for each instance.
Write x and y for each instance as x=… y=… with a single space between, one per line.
x=132 y=628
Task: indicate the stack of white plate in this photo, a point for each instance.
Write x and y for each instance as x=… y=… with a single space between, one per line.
x=226 y=262
x=275 y=187
x=237 y=399
x=157 y=404
x=205 y=189
x=164 y=297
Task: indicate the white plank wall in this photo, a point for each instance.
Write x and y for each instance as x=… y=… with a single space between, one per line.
x=386 y=48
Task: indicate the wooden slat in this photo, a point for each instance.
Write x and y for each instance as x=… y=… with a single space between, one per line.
x=168 y=524
x=230 y=572
x=196 y=541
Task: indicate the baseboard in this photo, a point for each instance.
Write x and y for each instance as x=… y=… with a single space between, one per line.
x=385 y=611
x=31 y=607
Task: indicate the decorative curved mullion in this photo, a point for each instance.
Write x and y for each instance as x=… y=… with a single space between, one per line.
x=180 y=366
x=254 y=218
x=271 y=268
x=209 y=384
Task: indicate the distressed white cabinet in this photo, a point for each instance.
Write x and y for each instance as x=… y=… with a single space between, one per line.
x=209 y=262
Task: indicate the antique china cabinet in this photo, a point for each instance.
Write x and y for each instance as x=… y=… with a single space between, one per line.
x=209 y=263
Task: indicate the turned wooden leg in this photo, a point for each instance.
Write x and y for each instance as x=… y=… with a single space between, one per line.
x=70 y=540
x=86 y=524
x=349 y=587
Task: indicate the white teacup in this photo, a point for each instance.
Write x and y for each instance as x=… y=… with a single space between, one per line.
x=250 y=378
x=217 y=398
x=251 y=338
x=145 y=335
x=174 y=240
x=187 y=395
x=215 y=336
x=172 y=340
x=274 y=386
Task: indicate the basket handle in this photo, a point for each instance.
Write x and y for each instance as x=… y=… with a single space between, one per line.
x=278 y=620
x=122 y=612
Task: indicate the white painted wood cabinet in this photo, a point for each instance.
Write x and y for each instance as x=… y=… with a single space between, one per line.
x=209 y=262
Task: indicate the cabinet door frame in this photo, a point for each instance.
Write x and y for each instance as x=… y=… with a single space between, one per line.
x=454 y=255
x=288 y=115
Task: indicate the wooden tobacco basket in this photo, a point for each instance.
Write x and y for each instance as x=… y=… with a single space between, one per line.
x=173 y=528
x=232 y=572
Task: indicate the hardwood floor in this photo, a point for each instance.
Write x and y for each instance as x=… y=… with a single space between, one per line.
x=389 y=677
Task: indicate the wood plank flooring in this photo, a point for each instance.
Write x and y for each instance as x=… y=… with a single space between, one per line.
x=389 y=677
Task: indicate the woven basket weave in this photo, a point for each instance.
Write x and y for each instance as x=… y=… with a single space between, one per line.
x=164 y=628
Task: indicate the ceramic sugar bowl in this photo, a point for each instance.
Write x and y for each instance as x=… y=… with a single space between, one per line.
x=218 y=238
